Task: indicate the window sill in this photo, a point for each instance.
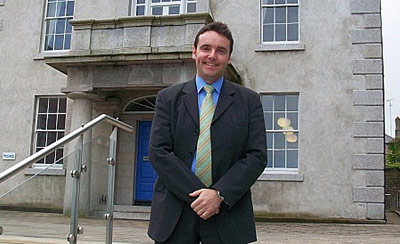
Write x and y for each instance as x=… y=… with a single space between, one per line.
x=48 y=172
x=280 y=47
x=45 y=54
x=281 y=176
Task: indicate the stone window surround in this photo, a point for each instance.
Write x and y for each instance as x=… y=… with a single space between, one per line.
x=36 y=168
x=45 y=23
x=148 y=4
x=274 y=6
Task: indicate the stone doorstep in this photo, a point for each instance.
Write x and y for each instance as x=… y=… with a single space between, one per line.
x=131 y=212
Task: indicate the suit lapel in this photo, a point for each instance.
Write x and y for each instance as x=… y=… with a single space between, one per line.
x=190 y=100
x=225 y=99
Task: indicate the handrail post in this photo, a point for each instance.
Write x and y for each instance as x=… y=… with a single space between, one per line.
x=76 y=175
x=111 y=180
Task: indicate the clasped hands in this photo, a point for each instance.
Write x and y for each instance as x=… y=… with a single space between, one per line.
x=207 y=203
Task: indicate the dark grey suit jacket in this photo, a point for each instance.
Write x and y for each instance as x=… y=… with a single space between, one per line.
x=238 y=158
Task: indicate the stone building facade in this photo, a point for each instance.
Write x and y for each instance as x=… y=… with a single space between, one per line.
x=317 y=66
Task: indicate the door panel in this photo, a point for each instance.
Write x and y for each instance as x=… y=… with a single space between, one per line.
x=145 y=174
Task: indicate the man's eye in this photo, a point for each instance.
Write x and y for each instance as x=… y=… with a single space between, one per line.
x=221 y=51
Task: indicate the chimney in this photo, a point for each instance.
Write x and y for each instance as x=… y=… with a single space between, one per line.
x=397 y=130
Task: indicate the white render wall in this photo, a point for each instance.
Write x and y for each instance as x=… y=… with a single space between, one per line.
x=23 y=75
x=337 y=71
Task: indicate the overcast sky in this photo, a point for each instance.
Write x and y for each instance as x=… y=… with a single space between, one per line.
x=391 y=60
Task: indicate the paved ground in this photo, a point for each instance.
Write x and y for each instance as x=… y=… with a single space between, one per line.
x=40 y=228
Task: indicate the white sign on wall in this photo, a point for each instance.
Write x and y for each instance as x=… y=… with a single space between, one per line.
x=8 y=155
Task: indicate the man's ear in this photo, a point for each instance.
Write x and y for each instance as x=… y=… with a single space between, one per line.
x=193 y=52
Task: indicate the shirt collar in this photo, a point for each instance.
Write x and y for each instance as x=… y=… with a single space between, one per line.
x=200 y=83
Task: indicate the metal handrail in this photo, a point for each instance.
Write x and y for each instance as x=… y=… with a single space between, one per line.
x=71 y=136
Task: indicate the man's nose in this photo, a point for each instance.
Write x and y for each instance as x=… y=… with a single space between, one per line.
x=212 y=54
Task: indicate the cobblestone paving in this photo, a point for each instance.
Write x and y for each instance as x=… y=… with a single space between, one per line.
x=39 y=228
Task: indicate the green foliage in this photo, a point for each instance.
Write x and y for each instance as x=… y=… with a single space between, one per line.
x=393 y=154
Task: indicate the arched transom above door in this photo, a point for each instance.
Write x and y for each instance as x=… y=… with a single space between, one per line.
x=141 y=105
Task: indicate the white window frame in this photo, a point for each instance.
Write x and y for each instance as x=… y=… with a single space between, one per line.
x=56 y=130
x=148 y=4
x=48 y=19
x=285 y=170
x=274 y=6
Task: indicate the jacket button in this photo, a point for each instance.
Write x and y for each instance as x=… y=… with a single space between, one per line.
x=195 y=133
x=190 y=154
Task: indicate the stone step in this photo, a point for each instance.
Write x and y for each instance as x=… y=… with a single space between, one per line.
x=131 y=212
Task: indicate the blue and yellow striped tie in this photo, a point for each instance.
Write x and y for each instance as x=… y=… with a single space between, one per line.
x=203 y=152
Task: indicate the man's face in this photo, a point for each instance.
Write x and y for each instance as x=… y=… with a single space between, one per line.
x=211 y=56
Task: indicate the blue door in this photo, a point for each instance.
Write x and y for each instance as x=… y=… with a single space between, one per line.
x=145 y=174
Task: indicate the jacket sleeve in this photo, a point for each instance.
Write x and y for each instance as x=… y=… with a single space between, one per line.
x=172 y=171
x=243 y=173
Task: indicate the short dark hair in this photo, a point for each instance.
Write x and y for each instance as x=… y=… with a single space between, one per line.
x=218 y=27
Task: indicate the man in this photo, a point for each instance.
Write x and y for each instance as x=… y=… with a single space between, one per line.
x=208 y=147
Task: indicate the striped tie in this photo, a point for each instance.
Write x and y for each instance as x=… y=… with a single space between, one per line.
x=203 y=152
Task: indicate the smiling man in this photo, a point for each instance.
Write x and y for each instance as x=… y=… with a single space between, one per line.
x=207 y=145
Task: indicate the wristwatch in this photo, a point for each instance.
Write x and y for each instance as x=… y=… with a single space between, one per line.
x=220 y=196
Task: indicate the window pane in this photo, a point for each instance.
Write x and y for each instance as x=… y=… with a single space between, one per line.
x=60 y=135
x=51 y=137
x=43 y=105
x=280 y=32
x=61 y=9
x=59 y=42
x=67 y=41
x=60 y=26
x=157 y=10
x=61 y=122
x=51 y=10
x=155 y=1
x=267 y=102
x=53 y=105
x=279 y=141
x=50 y=158
x=41 y=123
x=49 y=43
x=269 y=158
x=62 y=105
x=279 y=159
x=279 y=1
x=41 y=139
x=268 y=120
x=140 y=1
x=139 y=10
x=191 y=7
x=292 y=1
x=293 y=15
x=270 y=137
x=292 y=160
x=51 y=26
x=51 y=121
x=268 y=14
x=280 y=15
x=292 y=140
x=70 y=8
x=293 y=117
x=292 y=102
x=268 y=33
x=59 y=155
x=293 y=32
x=165 y=1
x=277 y=118
x=174 y=9
x=68 y=28
x=279 y=103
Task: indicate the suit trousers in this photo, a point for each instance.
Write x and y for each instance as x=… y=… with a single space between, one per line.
x=191 y=229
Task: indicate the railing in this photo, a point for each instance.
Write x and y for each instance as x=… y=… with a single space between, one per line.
x=79 y=168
